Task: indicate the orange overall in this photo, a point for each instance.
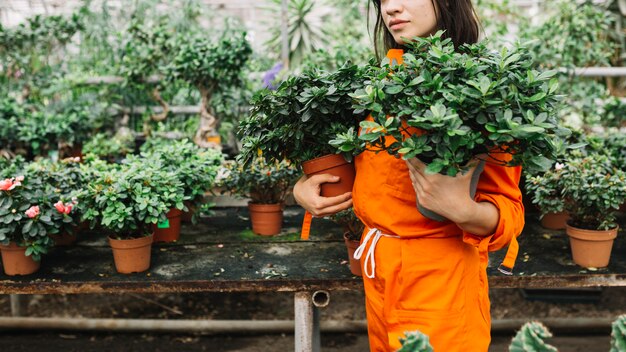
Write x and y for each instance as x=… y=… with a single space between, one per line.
x=420 y=274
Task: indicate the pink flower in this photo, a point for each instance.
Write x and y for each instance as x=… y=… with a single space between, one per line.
x=59 y=207
x=32 y=212
x=15 y=184
x=19 y=178
x=63 y=208
x=5 y=184
x=559 y=166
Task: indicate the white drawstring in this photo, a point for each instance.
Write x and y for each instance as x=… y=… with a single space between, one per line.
x=358 y=253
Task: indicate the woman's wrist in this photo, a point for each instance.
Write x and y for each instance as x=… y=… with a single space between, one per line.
x=480 y=218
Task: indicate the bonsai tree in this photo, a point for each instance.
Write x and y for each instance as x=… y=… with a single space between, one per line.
x=415 y=341
x=147 y=49
x=260 y=181
x=298 y=120
x=469 y=102
x=530 y=338
x=209 y=66
x=128 y=200
x=618 y=334
x=196 y=168
x=592 y=189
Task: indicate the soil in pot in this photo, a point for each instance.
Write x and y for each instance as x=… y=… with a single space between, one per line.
x=591 y=248
x=168 y=231
x=554 y=221
x=15 y=261
x=267 y=219
x=334 y=164
x=132 y=255
x=355 y=264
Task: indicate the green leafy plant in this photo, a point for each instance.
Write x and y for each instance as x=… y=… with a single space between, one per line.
x=415 y=341
x=196 y=167
x=128 y=200
x=28 y=215
x=209 y=66
x=573 y=35
x=298 y=119
x=10 y=114
x=448 y=106
x=305 y=27
x=614 y=113
x=11 y=167
x=263 y=182
x=530 y=338
x=545 y=190
x=350 y=224
x=110 y=148
x=593 y=189
x=618 y=334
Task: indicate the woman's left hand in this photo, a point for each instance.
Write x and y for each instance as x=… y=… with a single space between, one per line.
x=442 y=194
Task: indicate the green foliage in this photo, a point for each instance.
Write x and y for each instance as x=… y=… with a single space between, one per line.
x=263 y=182
x=128 y=200
x=11 y=167
x=108 y=148
x=306 y=29
x=467 y=102
x=574 y=35
x=545 y=190
x=582 y=106
x=530 y=338
x=350 y=223
x=593 y=189
x=415 y=341
x=298 y=119
x=208 y=64
x=618 y=334
x=196 y=167
x=614 y=113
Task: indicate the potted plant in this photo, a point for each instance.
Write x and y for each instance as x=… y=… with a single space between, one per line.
x=195 y=167
x=266 y=185
x=415 y=341
x=27 y=218
x=450 y=105
x=592 y=189
x=618 y=334
x=127 y=202
x=352 y=229
x=545 y=190
x=298 y=120
x=210 y=66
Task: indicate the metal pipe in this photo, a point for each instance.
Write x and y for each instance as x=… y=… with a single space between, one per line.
x=320 y=298
x=268 y=326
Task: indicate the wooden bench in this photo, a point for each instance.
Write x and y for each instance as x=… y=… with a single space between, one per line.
x=222 y=255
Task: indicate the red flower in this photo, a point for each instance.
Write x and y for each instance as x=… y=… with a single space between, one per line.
x=63 y=208
x=5 y=184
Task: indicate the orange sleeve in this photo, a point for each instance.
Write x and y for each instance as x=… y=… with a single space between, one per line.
x=499 y=185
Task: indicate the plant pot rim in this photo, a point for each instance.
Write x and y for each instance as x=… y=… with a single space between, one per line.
x=591 y=235
x=131 y=242
x=322 y=163
x=263 y=207
x=174 y=213
x=12 y=246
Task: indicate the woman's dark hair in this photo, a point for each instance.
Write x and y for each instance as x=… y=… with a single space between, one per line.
x=457 y=17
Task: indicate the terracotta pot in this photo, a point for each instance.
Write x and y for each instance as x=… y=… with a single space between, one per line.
x=591 y=248
x=333 y=164
x=214 y=139
x=15 y=261
x=267 y=219
x=131 y=256
x=554 y=221
x=355 y=265
x=171 y=233
x=63 y=239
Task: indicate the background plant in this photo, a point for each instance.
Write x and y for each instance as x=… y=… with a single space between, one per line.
x=415 y=341
x=350 y=224
x=263 y=182
x=531 y=337
x=618 y=334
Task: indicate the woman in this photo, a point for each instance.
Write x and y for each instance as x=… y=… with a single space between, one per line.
x=421 y=274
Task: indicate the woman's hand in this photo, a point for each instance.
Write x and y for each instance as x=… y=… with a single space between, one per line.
x=307 y=194
x=442 y=194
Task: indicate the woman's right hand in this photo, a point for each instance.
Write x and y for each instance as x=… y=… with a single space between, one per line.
x=307 y=193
